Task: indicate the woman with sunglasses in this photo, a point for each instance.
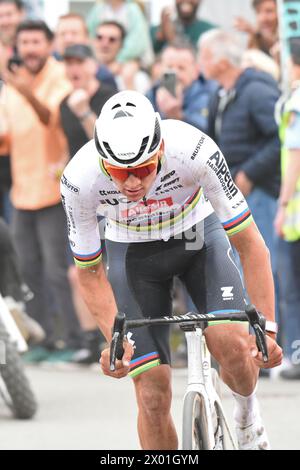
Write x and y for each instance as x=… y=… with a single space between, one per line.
x=169 y=201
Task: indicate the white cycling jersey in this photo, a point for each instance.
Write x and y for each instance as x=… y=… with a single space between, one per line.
x=193 y=181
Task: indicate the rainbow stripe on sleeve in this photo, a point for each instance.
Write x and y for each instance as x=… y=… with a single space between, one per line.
x=86 y=261
x=238 y=223
x=143 y=363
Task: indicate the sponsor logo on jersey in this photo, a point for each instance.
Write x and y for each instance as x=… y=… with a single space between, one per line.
x=71 y=187
x=114 y=202
x=168 y=176
x=166 y=186
x=197 y=149
x=159 y=190
x=109 y=193
x=149 y=207
x=227 y=293
x=171 y=182
x=238 y=204
x=63 y=199
x=218 y=164
x=71 y=218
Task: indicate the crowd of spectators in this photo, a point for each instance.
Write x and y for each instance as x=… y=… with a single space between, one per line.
x=53 y=87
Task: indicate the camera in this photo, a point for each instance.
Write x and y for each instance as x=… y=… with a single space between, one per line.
x=169 y=81
x=14 y=61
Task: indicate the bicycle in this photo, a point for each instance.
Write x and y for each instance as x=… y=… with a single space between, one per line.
x=15 y=388
x=204 y=426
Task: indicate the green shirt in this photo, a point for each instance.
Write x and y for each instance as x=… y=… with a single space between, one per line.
x=192 y=32
x=137 y=41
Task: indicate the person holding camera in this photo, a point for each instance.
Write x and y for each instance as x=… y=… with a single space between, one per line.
x=179 y=22
x=30 y=110
x=182 y=93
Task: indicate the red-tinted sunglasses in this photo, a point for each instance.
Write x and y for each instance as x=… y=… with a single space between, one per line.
x=140 y=171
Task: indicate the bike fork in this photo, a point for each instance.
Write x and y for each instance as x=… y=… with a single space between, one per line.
x=199 y=375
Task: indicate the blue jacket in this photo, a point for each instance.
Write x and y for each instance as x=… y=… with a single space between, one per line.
x=246 y=131
x=195 y=102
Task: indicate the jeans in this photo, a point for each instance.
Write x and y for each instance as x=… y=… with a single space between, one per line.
x=5 y=206
x=41 y=243
x=289 y=284
x=10 y=277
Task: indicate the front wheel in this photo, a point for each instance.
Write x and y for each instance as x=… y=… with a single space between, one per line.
x=195 y=427
x=15 y=388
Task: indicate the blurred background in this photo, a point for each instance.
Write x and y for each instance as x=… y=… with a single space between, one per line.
x=231 y=68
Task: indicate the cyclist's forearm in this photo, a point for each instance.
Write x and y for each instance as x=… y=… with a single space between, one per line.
x=255 y=259
x=99 y=297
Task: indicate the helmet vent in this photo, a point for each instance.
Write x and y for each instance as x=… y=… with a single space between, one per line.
x=98 y=145
x=131 y=104
x=116 y=106
x=121 y=114
x=156 y=138
x=109 y=150
x=143 y=148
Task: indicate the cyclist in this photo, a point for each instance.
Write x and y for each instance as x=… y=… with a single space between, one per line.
x=169 y=200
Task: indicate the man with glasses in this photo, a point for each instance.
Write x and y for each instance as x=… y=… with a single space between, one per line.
x=168 y=198
x=71 y=30
x=109 y=41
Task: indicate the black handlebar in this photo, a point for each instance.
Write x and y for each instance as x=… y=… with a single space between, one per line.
x=258 y=323
x=116 y=346
x=251 y=315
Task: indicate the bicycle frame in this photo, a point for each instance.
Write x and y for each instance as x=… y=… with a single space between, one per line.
x=199 y=364
x=200 y=381
x=11 y=327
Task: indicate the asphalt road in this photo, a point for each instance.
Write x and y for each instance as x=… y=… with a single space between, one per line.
x=82 y=409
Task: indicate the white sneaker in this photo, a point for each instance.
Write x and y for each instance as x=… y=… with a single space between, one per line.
x=253 y=437
x=30 y=329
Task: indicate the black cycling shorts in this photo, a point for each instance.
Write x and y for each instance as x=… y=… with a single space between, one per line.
x=141 y=275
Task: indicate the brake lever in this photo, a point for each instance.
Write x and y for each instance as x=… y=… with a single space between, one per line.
x=258 y=323
x=116 y=345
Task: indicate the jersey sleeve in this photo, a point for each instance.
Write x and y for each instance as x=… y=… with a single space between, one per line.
x=79 y=202
x=209 y=167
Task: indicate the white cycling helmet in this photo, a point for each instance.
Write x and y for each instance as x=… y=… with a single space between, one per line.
x=128 y=130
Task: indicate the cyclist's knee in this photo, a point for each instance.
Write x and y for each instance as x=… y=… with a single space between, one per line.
x=234 y=352
x=153 y=391
x=238 y=354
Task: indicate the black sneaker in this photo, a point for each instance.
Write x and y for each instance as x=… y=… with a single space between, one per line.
x=94 y=344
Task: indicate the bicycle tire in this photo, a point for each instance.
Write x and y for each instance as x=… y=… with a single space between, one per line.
x=195 y=427
x=22 y=400
x=221 y=439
